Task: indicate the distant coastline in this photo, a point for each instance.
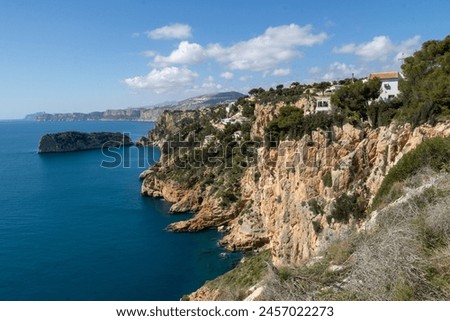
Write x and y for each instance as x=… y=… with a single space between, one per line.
x=151 y=113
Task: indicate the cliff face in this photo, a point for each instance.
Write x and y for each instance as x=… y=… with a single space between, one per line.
x=295 y=174
x=170 y=123
x=73 y=141
x=287 y=196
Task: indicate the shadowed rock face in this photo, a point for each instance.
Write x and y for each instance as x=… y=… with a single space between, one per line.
x=73 y=141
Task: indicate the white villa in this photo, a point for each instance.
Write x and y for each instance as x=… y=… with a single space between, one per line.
x=389 y=84
x=389 y=89
x=323 y=102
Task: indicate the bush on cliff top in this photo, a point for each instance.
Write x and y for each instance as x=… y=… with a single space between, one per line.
x=425 y=91
x=291 y=124
x=347 y=206
x=434 y=153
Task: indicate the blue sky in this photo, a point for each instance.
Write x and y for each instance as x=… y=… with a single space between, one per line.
x=81 y=56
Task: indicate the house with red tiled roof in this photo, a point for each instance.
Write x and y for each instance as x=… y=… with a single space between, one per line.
x=389 y=84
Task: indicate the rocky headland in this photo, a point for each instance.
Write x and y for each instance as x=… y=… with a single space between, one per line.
x=73 y=141
x=345 y=204
x=286 y=196
x=281 y=198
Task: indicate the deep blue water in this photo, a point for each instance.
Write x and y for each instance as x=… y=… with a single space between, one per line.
x=72 y=230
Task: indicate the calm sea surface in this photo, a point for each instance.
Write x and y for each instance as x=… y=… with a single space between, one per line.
x=72 y=230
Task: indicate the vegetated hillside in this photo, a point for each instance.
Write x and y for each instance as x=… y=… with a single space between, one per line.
x=300 y=189
x=143 y=113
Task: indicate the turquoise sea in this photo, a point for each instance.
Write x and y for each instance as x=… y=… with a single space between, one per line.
x=72 y=230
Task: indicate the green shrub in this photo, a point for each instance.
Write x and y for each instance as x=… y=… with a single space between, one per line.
x=246 y=274
x=228 y=197
x=285 y=273
x=382 y=112
x=345 y=207
x=425 y=90
x=317 y=227
x=292 y=124
x=315 y=207
x=327 y=179
x=256 y=176
x=434 y=152
x=248 y=110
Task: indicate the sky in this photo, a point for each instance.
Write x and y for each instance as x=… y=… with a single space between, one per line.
x=83 y=56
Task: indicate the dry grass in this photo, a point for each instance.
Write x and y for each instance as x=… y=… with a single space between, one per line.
x=393 y=262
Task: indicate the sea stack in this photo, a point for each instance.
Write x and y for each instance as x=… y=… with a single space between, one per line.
x=73 y=141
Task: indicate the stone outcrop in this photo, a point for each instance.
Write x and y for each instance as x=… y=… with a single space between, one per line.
x=209 y=213
x=73 y=141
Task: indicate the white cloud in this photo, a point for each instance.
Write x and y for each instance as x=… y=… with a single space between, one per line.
x=163 y=80
x=380 y=48
x=274 y=46
x=314 y=70
x=407 y=47
x=339 y=70
x=281 y=72
x=227 y=75
x=149 y=53
x=263 y=53
x=186 y=53
x=209 y=83
x=377 y=49
x=173 y=31
x=245 y=78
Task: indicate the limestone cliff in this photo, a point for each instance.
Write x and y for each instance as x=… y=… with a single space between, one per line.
x=170 y=123
x=294 y=174
x=286 y=197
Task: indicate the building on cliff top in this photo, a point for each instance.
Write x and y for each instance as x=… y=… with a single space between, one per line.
x=321 y=102
x=389 y=84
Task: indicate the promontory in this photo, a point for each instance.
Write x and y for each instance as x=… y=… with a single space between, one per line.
x=72 y=141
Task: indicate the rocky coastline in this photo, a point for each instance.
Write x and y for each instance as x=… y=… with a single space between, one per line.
x=287 y=196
